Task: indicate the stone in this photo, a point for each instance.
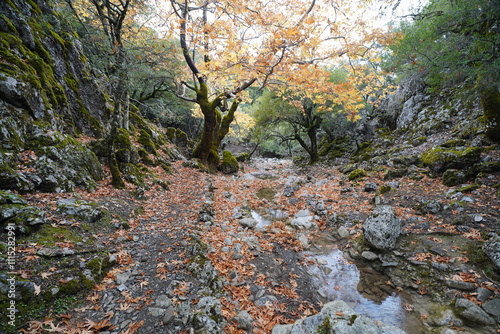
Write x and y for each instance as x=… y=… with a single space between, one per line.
x=122 y=287
x=470 y=311
x=266 y=300
x=244 y=320
x=460 y=285
x=156 y=311
x=371 y=187
x=492 y=250
x=492 y=307
x=168 y=315
x=370 y=256
x=163 y=301
x=454 y=177
x=343 y=232
x=483 y=294
x=382 y=228
x=248 y=222
x=122 y=278
x=338 y=317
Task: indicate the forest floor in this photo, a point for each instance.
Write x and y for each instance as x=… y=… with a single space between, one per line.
x=162 y=276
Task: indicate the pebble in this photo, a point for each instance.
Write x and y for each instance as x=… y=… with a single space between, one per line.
x=370 y=256
x=122 y=287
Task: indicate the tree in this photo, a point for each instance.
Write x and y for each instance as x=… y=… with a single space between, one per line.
x=230 y=45
x=456 y=43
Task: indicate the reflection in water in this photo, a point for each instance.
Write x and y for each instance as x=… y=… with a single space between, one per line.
x=336 y=278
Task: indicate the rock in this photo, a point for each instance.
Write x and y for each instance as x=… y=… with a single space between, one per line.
x=303 y=240
x=244 y=320
x=122 y=278
x=168 y=315
x=343 y=232
x=370 y=256
x=439 y=159
x=454 y=177
x=472 y=312
x=382 y=228
x=122 y=287
x=483 y=294
x=266 y=300
x=460 y=285
x=492 y=250
x=229 y=163
x=248 y=222
x=288 y=190
x=163 y=301
x=156 y=311
x=493 y=308
x=426 y=207
x=371 y=187
x=444 y=318
x=336 y=317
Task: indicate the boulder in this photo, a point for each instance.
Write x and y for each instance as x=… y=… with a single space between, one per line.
x=439 y=159
x=382 y=228
x=337 y=317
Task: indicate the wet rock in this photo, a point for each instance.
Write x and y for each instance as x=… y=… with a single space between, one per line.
x=470 y=311
x=244 y=320
x=248 y=222
x=336 y=317
x=444 y=318
x=382 y=228
x=492 y=250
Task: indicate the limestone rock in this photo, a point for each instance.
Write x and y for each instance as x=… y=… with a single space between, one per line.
x=337 y=317
x=382 y=228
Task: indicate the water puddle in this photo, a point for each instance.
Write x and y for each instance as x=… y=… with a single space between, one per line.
x=365 y=290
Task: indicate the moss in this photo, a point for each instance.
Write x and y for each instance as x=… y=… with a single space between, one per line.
x=356 y=174
x=325 y=327
x=395 y=173
x=453 y=143
x=145 y=140
x=49 y=235
x=71 y=287
x=243 y=157
x=229 y=163
x=440 y=159
x=116 y=176
x=469 y=188
x=384 y=189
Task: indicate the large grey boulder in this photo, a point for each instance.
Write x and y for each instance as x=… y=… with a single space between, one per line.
x=382 y=228
x=337 y=317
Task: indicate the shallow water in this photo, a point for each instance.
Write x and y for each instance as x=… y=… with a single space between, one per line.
x=363 y=289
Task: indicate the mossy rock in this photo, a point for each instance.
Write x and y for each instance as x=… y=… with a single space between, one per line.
x=454 y=143
x=356 y=174
x=229 y=163
x=396 y=173
x=146 y=142
x=419 y=141
x=243 y=157
x=454 y=177
x=439 y=159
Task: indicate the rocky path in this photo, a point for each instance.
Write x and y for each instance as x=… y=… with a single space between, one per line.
x=239 y=254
